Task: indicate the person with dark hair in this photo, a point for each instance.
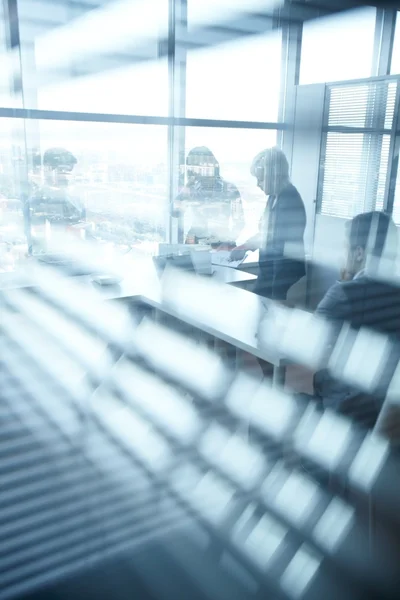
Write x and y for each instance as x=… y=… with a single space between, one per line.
x=364 y=298
x=209 y=208
x=281 y=232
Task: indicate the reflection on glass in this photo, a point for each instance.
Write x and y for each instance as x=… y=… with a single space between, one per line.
x=369 y=461
x=136 y=434
x=181 y=359
x=234 y=150
x=144 y=391
x=113 y=192
x=334 y=524
x=297 y=497
x=274 y=421
x=325 y=442
x=260 y=539
x=241 y=461
x=209 y=207
x=208 y=493
x=300 y=571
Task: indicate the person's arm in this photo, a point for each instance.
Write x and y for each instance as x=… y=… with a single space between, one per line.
x=333 y=308
x=252 y=244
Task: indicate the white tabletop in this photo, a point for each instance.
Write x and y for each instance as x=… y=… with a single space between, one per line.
x=227 y=313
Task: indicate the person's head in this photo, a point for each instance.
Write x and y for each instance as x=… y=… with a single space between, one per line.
x=271 y=169
x=58 y=164
x=369 y=236
x=201 y=163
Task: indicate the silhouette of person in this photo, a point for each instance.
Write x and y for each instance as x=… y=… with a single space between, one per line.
x=281 y=230
x=209 y=208
x=53 y=201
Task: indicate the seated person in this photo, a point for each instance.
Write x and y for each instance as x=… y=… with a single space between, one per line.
x=361 y=299
x=280 y=238
x=209 y=208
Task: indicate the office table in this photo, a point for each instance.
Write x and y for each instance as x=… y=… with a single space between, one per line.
x=204 y=305
x=199 y=311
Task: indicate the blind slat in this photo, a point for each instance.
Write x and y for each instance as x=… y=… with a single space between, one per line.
x=354 y=167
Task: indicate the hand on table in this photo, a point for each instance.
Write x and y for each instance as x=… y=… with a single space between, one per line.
x=238 y=253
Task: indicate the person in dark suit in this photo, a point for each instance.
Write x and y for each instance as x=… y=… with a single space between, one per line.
x=281 y=232
x=364 y=298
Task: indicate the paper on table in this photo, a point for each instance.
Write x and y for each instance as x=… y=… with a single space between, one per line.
x=222 y=258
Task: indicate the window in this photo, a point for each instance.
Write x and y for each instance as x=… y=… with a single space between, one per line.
x=13 y=243
x=211 y=11
x=119 y=179
x=10 y=92
x=239 y=80
x=395 y=65
x=354 y=168
x=339 y=47
x=106 y=60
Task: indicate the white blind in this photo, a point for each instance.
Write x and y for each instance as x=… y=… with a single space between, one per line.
x=358 y=122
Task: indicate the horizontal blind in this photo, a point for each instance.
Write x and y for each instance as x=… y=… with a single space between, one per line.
x=362 y=105
x=343 y=175
x=358 y=121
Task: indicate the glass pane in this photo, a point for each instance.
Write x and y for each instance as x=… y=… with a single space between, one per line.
x=212 y=11
x=231 y=151
x=13 y=242
x=338 y=48
x=239 y=80
x=103 y=58
x=10 y=91
x=104 y=181
x=395 y=66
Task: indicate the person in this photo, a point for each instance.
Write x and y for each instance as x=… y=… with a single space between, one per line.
x=363 y=299
x=281 y=232
x=53 y=201
x=208 y=207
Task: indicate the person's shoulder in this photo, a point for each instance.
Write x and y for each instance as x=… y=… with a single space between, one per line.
x=291 y=195
x=370 y=287
x=335 y=303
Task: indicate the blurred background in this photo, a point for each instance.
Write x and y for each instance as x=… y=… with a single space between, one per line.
x=155 y=438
